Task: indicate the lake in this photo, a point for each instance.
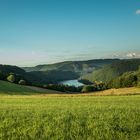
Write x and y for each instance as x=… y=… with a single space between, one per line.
x=75 y=83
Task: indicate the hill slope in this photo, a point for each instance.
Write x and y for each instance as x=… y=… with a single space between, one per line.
x=127 y=79
x=120 y=91
x=53 y=76
x=75 y=66
x=10 y=88
x=113 y=70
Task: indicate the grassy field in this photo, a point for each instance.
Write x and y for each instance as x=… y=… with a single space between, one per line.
x=70 y=117
x=15 y=89
x=120 y=91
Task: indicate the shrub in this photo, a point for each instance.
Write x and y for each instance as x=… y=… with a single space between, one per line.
x=62 y=88
x=11 y=78
x=88 y=88
x=22 y=82
x=138 y=84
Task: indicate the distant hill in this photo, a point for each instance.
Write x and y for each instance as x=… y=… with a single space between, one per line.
x=6 y=69
x=113 y=70
x=81 y=67
x=99 y=70
x=10 y=88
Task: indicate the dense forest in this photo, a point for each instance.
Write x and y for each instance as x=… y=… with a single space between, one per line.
x=81 y=67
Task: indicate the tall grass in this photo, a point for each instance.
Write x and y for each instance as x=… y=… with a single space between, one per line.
x=69 y=118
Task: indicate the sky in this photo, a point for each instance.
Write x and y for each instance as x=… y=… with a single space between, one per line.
x=36 y=32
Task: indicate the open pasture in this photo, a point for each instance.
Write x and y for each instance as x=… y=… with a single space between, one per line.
x=70 y=117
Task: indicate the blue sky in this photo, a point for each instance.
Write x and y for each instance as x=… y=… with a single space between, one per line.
x=47 y=31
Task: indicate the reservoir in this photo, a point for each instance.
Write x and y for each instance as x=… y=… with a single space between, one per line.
x=75 y=83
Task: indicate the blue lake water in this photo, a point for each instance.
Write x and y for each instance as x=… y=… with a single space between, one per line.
x=75 y=83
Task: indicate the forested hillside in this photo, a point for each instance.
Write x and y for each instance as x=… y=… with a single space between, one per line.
x=81 y=67
x=128 y=79
x=15 y=74
x=113 y=70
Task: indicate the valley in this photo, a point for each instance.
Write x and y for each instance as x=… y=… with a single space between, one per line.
x=75 y=76
x=69 y=70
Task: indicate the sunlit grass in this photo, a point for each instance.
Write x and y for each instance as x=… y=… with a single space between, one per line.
x=70 y=118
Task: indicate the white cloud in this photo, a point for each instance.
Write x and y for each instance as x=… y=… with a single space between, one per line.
x=138 y=12
x=131 y=55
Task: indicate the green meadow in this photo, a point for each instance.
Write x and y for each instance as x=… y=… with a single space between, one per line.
x=7 y=88
x=51 y=117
